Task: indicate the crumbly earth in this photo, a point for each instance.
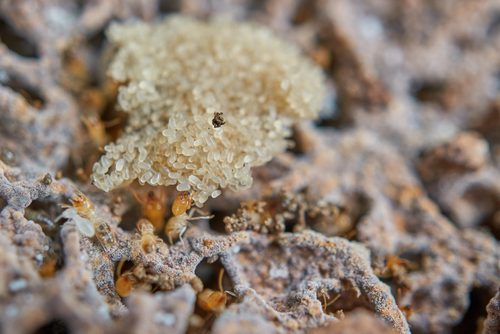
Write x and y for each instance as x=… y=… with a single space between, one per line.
x=385 y=215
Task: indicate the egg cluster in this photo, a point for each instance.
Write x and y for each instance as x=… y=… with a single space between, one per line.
x=207 y=101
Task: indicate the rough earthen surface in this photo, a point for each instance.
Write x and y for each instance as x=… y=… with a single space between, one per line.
x=383 y=216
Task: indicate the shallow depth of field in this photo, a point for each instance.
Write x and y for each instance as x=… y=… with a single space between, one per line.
x=245 y=166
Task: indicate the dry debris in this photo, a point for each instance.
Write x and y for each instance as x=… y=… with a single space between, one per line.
x=294 y=211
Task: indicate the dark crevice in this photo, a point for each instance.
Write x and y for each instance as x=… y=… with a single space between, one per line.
x=253 y=7
x=131 y=217
x=431 y=91
x=340 y=122
x=79 y=5
x=15 y=42
x=475 y=314
x=494 y=25
x=345 y=218
x=487 y=202
x=298 y=145
x=98 y=40
x=30 y=94
x=55 y=326
x=44 y=214
x=169 y=6
x=466 y=43
x=341 y=63
x=122 y=268
x=304 y=13
x=97 y=43
x=45 y=206
x=209 y=271
x=289 y=226
x=331 y=114
x=492 y=224
x=114 y=119
x=217 y=223
x=358 y=206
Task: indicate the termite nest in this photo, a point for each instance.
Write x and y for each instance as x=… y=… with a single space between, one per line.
x=237 y=198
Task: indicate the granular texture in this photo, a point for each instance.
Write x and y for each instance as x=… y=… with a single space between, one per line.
x=180 y=76
x=384 y=214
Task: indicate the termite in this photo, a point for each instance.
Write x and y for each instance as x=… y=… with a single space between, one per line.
x=177 y=224
x=213 y=301
x=153 y=206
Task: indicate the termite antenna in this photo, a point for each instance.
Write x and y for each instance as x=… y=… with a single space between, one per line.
x=119 y=267
x=221 y=277
x=333 y=300
x=221 y=285
x=200 y=217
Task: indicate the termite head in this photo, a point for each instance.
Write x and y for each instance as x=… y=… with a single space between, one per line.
x=124 y=285
x=153 y=206
x=182 y=203
x=148 y=238
x=144 y=226
x=212 y=301
x=82 y=204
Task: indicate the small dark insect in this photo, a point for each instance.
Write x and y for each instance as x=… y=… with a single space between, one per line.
x=218 y=120
x=47 y=179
